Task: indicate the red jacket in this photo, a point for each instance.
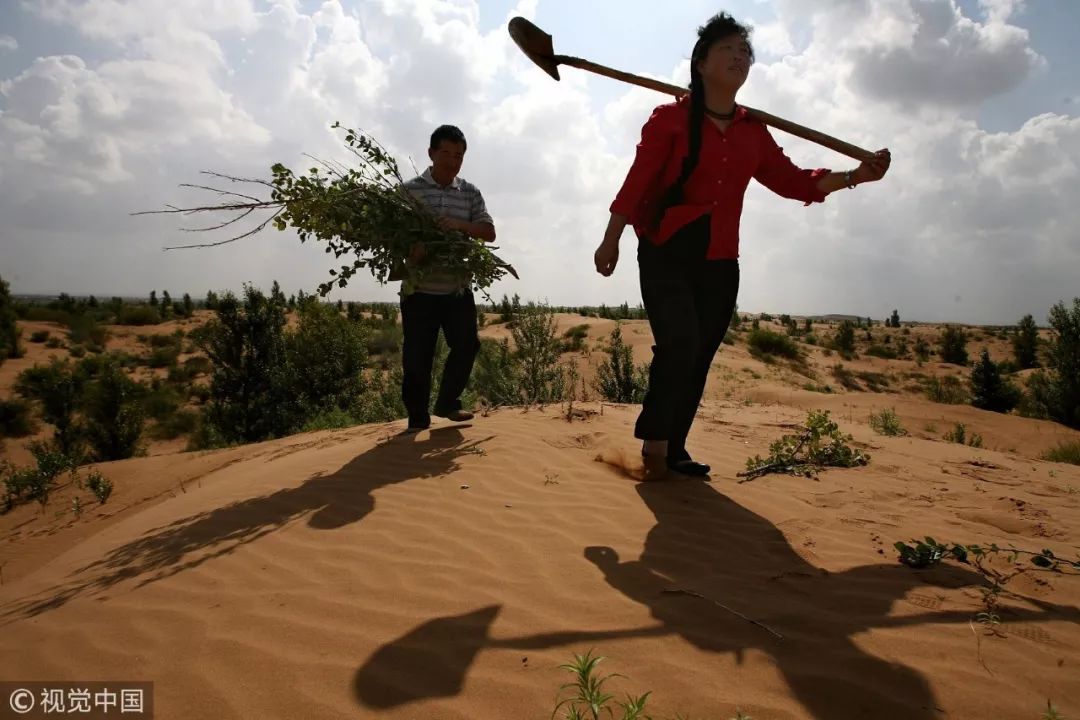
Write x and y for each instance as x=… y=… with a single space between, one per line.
x=728 y=160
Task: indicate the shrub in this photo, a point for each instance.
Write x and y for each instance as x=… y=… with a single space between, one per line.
x=538 y=352
x=959 y=435
x=844 y=338
x=138 y=315
x=948 y=390
x=1068 y=451
x=9 y=327
x=574 y=338
x=58 y=388
x=496 y=374
x=989 y=390
x=766 y=344
x=99 y=485
x=886 y=422
x=1026 y=343
x=1056 y=392
x=618 y=379
x=882 y=351
x=39 y=336
x=114 y=415
x=954 y=346
x=172 y=426
x=16 y=419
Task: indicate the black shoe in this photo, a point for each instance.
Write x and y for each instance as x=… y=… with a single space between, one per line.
x=418 y=424
x=689 y=467
x=454 y=415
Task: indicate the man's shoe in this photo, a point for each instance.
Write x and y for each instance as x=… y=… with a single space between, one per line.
x=418 y=424
x=456 y=415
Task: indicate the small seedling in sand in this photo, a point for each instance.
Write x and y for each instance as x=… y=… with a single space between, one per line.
x=959 y=435
x=76 y=507
x=1051 y=713
x=100 y=486
x=886 y=422
x=818 y=445
x=591 y=702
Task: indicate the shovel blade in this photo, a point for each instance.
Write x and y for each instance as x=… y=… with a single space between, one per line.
x=535 y=43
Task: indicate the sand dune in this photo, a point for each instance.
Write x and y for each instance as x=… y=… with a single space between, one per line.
x=361 y=573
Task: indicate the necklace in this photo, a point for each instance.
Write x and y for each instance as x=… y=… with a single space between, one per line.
x=722 y=116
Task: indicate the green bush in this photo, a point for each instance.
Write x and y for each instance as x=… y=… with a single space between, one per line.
x=114 y=415
x=16 y=419
x=1026 y=343
x=618 y=379
x=58 y=387
x=959 y=435
x=138 y=315
x=948 y=390
x=882 y=351
x=9 y=326
x=1055 y=392
x=1068 y=451
x=887 y=422
x=172 y=426
x=954 y=346
x=39 y=336
x=496 y=378
x=989 y=390
x=766 y=344
x=844 y=338
x=537 y=350
x=574 y=338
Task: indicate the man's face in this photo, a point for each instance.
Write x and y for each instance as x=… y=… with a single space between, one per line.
x=446 y=159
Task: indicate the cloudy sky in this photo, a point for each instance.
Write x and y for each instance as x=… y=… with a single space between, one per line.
x=106 y=106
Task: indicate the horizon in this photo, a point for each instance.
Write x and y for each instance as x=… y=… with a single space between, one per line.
x=105 y=110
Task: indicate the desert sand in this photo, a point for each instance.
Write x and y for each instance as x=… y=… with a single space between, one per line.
x=366 y=573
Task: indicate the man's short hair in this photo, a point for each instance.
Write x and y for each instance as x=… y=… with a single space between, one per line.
x=449 y=133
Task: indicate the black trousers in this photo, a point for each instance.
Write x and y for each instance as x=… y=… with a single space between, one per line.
x=689 y=301
x=422 y=316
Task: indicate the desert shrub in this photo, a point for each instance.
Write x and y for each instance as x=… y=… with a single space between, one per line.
x=959 y=435
x=617 y=378
x=948 y=390
x=844 y=338
x=574 y=338
x=138 y=315
x=1026 y=343
x=114 y=415
x=1068 y=451
x=1055 y=392
x=537 y=349
x=767 y=344
x=9 y=327
x=58 y=387
x=496 y=374
x=887 y=422
x=16 y=419
x=882 y=351
x=989 y=391
x=953 y=346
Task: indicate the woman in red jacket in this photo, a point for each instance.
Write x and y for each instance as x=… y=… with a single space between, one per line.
x=683 y=196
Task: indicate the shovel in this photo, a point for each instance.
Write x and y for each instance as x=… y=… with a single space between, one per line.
x=537 y=46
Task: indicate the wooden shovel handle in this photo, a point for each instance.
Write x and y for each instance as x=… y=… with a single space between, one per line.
x=852 y=151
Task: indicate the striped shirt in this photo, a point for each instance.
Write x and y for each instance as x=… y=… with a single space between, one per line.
x=460 y=200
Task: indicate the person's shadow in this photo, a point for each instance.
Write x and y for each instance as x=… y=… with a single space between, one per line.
x=326 y=501
x=706 y=550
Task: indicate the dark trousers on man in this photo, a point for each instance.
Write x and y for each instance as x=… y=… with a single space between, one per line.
x=422 y=316
x=689 y=301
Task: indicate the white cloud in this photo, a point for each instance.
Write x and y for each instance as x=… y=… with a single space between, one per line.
x=8 y=43
x=233 y=86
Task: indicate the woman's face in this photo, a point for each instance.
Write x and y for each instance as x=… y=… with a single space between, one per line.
x=727 y=62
